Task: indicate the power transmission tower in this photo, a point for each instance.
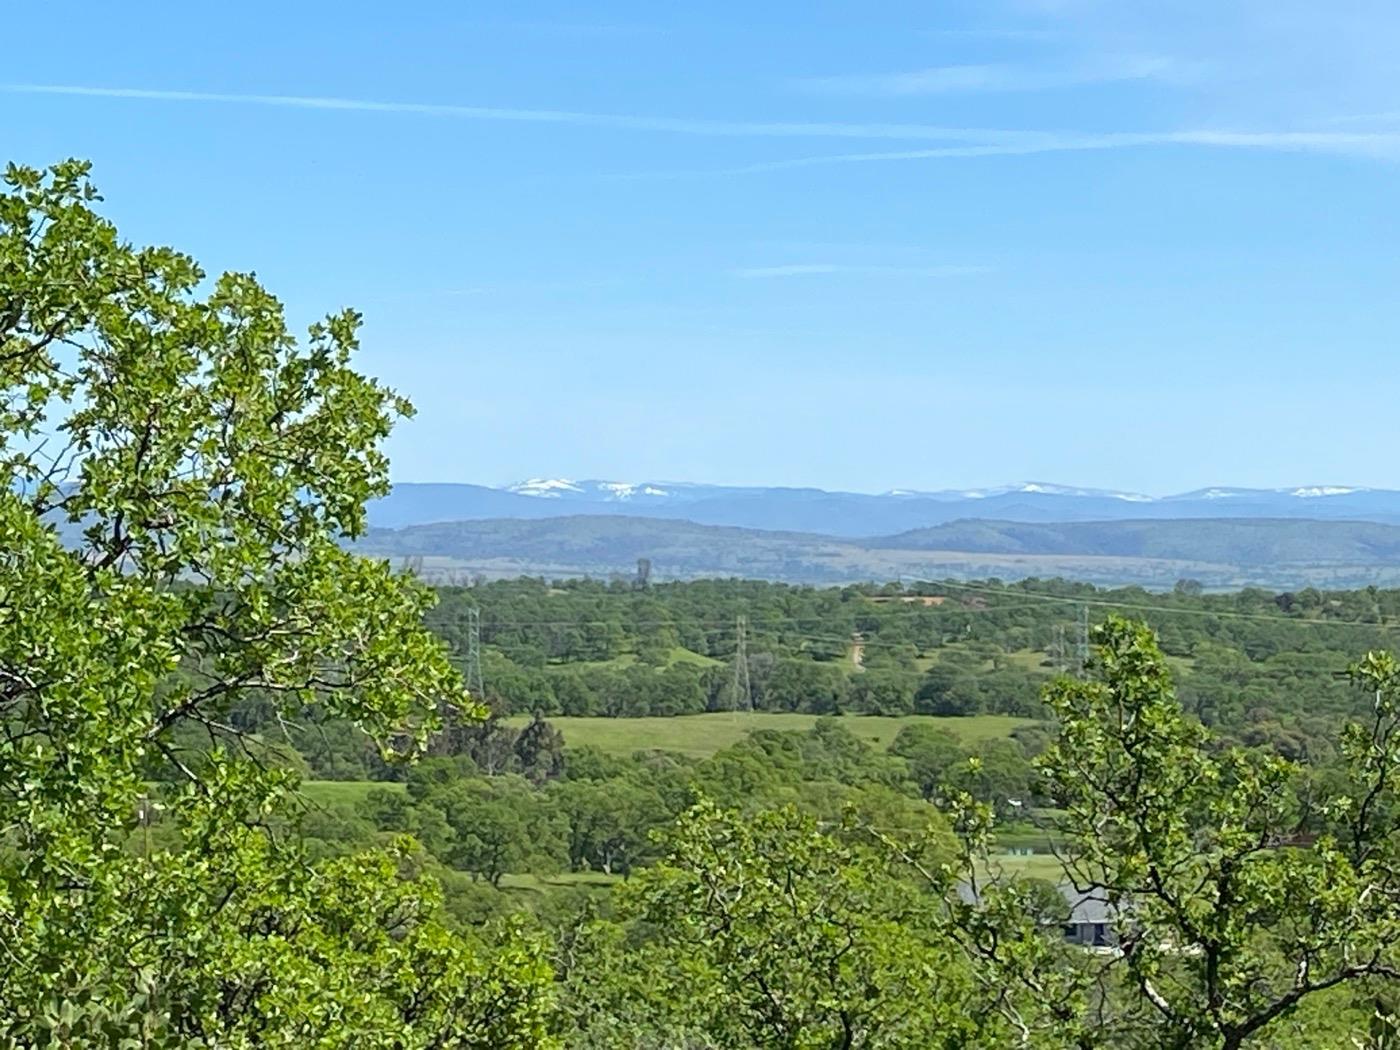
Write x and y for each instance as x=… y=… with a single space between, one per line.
x=1083 y=639
x=743 y=688
x=1057 y=648
x=475 y=685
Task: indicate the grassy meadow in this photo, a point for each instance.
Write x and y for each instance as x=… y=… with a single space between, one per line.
x=703 y=735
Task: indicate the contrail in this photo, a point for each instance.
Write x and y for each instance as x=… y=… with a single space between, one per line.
x=626 y=122
x=965 y=142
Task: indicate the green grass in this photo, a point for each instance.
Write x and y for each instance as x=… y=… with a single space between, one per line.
x=682 y=655
x=677 y=655
x=1012 y=837
x=703 y=735
x=1028 y=660
x=525 y=882
x=1035 y=866
x=347 y=792
x=617 y=663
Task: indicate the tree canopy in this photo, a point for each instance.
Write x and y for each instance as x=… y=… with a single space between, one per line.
x=205 y=467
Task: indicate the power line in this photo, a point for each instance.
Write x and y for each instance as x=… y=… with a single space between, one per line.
x=1302 y=676
x=1058 y=653
x=1059 y=647
x=1172 y=610
x=1034 y=601
x=762 y=622
x=1083 y=660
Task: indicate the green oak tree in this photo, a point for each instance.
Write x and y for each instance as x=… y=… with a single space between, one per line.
x=773 y=930
x=608 y=821
x=933 y=754
x=178 y=477
x=1236 y=925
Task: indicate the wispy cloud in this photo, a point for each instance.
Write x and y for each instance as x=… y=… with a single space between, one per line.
x=806 y=269
x=962 y=142
x=997 y=77
x=619 y=121
x=1378 y=145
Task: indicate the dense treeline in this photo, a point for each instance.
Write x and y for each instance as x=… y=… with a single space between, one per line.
x=812 y=867
x=517 y=802
x=1259 y=668
x=1252 y=663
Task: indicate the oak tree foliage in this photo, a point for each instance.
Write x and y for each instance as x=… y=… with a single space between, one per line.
x=178 y=474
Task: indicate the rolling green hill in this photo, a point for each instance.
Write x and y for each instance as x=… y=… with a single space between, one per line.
x=1244 y=542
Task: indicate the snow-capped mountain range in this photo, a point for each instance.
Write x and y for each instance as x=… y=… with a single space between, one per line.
x=854 y=514
x=628 y=491
x=625 y=491
x=563 y=488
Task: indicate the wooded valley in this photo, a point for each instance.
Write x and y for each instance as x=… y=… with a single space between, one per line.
x=258 y=789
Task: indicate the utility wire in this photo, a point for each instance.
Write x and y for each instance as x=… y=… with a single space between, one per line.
x=1033 y=601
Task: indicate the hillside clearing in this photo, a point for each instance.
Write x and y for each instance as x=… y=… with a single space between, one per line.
x=702 y=735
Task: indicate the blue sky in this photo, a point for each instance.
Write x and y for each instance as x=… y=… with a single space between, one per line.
x=854 y=245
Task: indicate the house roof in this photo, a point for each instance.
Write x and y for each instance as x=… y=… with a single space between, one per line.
x=1085 y=906
x=1089 y=907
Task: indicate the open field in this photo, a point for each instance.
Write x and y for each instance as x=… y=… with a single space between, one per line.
x=1035 y=866
x=682 y=655
x=525 y=882
x=703 y=735
x=1028 y=660
x=677 y=655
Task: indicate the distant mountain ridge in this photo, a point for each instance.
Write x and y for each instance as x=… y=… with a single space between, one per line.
x=854 y=514
x=1223 y=553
